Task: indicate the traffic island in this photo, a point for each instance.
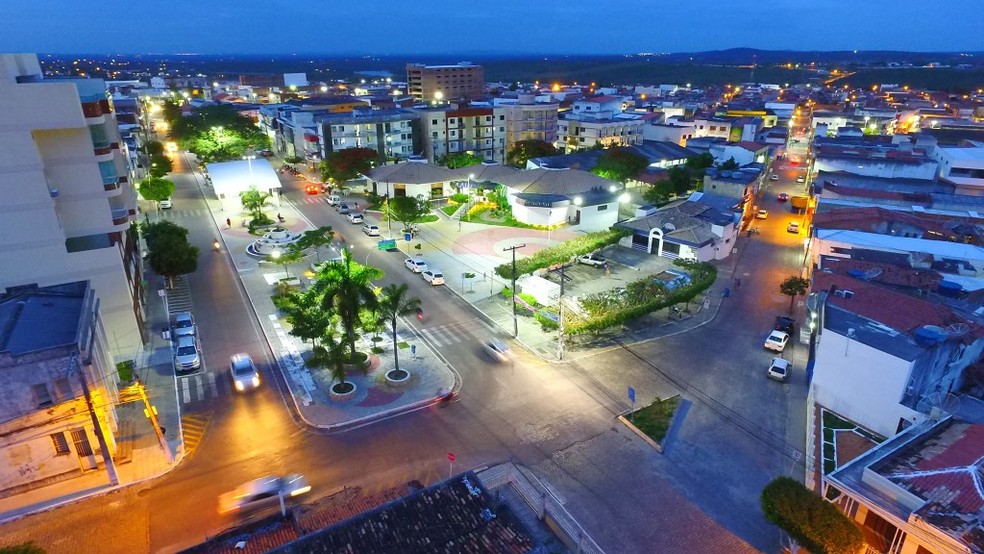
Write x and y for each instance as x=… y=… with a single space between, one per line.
x=653 y=422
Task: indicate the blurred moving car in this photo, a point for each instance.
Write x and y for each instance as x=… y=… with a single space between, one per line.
x=762 y=214
x=497 y=350
x=793 y=227
x=782 y=197
x=166 y=203
x=263 y=492
x=777 y=341
x=433 y=276
x=312 y=188
x=243 y=371
x=778 y=369
x=774 y=177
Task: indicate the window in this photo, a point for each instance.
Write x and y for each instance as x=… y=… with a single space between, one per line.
x=63 y=389
x=434 y=134
x=451 y=121
x=60 y=443
x=433 y=122
x=41 y=395
x=488 y=118
x=602 y=207
x=502 y=118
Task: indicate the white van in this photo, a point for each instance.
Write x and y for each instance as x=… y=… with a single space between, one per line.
x=334 y=200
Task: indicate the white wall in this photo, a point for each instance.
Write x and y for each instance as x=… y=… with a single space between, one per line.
x=593 y=219
x=878 y=168
x=860 y=382
x=540 y=216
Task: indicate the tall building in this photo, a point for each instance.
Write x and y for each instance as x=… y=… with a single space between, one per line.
x=600 y=120
x=389 y=132
x=463 y=81
x=67 y=202
x=451 y=129
x=529 y=120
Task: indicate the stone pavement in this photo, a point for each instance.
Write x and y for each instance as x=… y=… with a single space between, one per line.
x=141 y=456
x=375 y=398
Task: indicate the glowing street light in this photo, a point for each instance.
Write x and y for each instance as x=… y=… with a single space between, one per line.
x=277 y=255
x=439 y=96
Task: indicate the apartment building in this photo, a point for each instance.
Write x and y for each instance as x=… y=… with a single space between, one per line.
x=600 y=120
x=462 y=81
x=451 y=129
x=529 y=120
x=68 y=203
x=389 y=132
x=52 y=346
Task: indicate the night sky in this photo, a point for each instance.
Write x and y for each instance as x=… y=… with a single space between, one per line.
x=494 y=26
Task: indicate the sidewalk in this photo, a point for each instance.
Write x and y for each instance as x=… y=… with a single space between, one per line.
x=139 y=456
x=375 y=398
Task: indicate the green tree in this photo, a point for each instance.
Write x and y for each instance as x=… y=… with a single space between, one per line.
x=254 y=201
x=792 y=287
x=680 y=178
x=153 y=148
x=156 y=189
x=330 y=353
x=217 y=133
x=523 y=150
x=345 y=290
x=302 y=311
x=700 y=162
x=407 y=209
x=659 y=193
x=286 y=257
x=459 y=159
x=730 y=165
x=170 y=253
x=292 y=160
x=315 y=238
x=809 y=519
x=344 y=165
x=170 y=111
x=160 y=166
x=23 y=548
x=395 y=302
x=620 y=164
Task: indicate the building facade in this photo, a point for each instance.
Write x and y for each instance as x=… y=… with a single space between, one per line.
x=389 y=132
x=452 y=129
x=68 y=204
x=527 y=120
x=462 y=81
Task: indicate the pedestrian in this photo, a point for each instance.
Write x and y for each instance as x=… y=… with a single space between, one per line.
x=228 y=223
x=737 y=282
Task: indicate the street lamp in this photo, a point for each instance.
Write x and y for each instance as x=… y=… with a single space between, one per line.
x=277 y=255
x=249 y=160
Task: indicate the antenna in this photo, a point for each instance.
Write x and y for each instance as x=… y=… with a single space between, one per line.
x=938 y=405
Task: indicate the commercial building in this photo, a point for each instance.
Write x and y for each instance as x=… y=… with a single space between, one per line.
x=462 y=81
x=559 y=196
x=68 y=203
x=52 y=348
x=702 y=227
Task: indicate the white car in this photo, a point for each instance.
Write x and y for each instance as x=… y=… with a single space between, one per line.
x=779 y=369
x=243 y=371
x=801 y=179
x=187 y=357
x=793 y=227
x=415 y=265
x=497 y=350
x=184 y=325
x=774 y=177
x=433 y=276
x=354 y=217
x=371 y=230
x=166 y=203
x=777 y=341
x=263 y=492
x=592 y=260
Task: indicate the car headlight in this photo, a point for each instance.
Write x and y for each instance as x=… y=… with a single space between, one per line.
x=239 y=385
x=300 y=491
x=256 y=380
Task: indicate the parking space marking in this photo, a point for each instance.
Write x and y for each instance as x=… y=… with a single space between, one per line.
x=211 y=384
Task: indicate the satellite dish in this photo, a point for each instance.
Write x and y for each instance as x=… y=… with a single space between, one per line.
x=957 y=329
x=938 y=405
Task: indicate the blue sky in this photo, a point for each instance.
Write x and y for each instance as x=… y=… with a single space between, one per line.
x=385 y=27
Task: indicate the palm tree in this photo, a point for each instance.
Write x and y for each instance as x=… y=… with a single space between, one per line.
x=330 y=354
x=346 y=289
x=253 y=202
x=315 y=238
x=395 y=303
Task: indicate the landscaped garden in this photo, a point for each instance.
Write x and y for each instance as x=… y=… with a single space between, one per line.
x=655 y=419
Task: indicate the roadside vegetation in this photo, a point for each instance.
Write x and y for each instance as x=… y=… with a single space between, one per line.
x=564 y=252
x=811 y=521
x=654 y=420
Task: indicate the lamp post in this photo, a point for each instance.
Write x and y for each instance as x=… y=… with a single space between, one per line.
x=276 y=255
x=515 y=319
x=249 y=160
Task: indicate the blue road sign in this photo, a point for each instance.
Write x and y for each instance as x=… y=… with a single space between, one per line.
x=413 y=349
x=631 y=394
x=407 y=237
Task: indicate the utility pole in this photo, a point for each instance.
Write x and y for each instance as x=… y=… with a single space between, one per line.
x=96 y=424
x=515 y=319
x=151 y=413
x=560 y=317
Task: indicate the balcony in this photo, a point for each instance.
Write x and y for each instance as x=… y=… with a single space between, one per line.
x=121 y=216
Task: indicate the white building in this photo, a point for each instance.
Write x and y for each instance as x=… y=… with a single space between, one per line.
x=414 y=178
x=600 y=120
x=702 y=227
x=230 y=179
x=67 y=201
x=388 y=132
x=452 y=129
x=963 y=167
x=549 y=197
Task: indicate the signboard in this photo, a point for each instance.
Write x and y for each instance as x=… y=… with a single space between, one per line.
x=450 y=457
x=386 y=244
x=631 y=394
x=407 y=237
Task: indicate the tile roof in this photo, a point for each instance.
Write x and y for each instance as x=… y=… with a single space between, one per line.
x=414 y=173
x=557 y=181
x=687 y=222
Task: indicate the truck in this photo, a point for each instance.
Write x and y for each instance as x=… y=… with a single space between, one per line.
x=798 y=203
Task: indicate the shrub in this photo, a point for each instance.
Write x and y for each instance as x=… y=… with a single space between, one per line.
x=478 y=208
x=545 y=322
x=810 y=520
x=459 y=198
x=563 y=252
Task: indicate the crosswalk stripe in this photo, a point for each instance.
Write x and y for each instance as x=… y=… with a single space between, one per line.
x=211 y=384
x=433 y=338
x=185 y=391
x=193 y=429
x=452 y=337
x=200 y=386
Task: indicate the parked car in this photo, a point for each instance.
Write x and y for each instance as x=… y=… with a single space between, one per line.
x=184 y=325
x=777 y=341
x=243 y=371
x=263 y=492
x=334 y=200
x=793 y=227
x=778 y=369
x=782 y=197
x=187 y=357
x=433 y=276
x=166 y=204
x=354 y=217
x=497 y=350
x=415 y=265
x=785 y=324
x=371 y=230
x=773 y=177
x=592 y=259
x=801 y=179
x=343 y=209
x=762 y=214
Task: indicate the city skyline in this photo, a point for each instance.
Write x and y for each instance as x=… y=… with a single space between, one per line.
x=182 y=27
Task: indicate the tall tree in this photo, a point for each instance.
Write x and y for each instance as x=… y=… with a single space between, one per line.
x=407 y=209
x=620 y=164
x=659 y=193
x=330 y=353
x=344 y=165
x=217 y=133
x=345 y=290
x=315 y=238
x=153 y=148
x=794 y=286
x=395 y=302
x=170 y=111
x=523 y=150
x=156 y=189
x=160 y=165
x=170 y=253
x=302 y=310
x=455 y=160
x=680 y=178
x=254 y=201
x=700 y=162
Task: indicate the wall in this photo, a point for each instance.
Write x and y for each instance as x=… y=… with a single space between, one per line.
x=878 y=168
x=593 y=219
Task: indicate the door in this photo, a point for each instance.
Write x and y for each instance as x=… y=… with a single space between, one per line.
x=87 y=460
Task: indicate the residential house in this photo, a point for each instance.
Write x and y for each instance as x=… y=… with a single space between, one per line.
x=52 y=347
x=742 y=184
x=558 y=196
x=415 y=178
x=743 y=153
x=68 y=201
x=702 y=227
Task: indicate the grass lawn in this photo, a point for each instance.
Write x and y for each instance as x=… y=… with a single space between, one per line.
x=450 y=209
x=654 y=419
x=429 y=218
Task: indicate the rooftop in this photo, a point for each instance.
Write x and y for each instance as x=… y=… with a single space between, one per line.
x=411 y=173
x=904 y=244
x=35 y=319
x=557 y=181
x=966 y=153
x=687 y=221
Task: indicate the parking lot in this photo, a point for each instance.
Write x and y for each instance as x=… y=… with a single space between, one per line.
x=624 y=266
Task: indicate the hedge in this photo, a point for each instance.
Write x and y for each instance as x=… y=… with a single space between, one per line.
x=563 y=252
x=811 y=521
x=702 y=276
